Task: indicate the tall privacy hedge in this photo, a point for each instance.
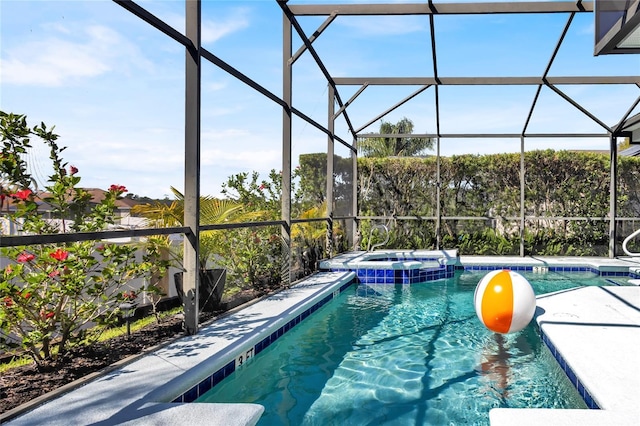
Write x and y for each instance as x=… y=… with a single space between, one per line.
x=487 y=188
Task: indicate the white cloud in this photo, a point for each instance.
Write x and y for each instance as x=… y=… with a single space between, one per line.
x=384 y=25
x=147 y=162
x=57 y=61
x=252 y=151
x=144 y=149
x=215 y=86
x=209 y=136
x=498 y=146
x=219 y=111
x=254 y=159
x=213 y=31
x=57 y=27
x=587 y=30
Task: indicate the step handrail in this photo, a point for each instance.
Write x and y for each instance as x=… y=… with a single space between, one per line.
x=386 y=240
x=626 y=240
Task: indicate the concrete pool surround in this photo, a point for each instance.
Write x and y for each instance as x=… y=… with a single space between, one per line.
x=585 y=329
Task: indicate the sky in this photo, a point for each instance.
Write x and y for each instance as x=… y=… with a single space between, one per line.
x=113 y=86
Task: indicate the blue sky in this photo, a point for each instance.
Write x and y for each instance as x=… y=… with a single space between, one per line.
x=114 y=87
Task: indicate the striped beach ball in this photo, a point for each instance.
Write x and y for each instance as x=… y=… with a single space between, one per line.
x=504 y=301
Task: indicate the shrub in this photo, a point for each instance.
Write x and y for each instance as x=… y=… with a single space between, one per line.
x=51 y=295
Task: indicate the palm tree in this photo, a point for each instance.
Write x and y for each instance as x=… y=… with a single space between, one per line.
x=395 y=147
x=212 y=211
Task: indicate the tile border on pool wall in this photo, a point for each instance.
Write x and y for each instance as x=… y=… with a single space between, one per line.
x=400 y=276
x=403 y=276
x=530 y=268
x=571 y=375
x=417 y=275
x=209 y=382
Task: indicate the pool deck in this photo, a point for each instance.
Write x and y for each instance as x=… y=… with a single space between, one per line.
x=595 y=331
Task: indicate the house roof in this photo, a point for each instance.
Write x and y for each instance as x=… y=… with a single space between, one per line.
x=632 y=151
x=97 y=196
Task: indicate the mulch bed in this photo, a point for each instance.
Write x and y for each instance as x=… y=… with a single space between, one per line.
x=23 y=384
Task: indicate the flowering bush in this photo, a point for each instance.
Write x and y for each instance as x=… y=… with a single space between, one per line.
x=52 y=295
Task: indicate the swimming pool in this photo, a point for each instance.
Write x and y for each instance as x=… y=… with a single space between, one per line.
x=403 y=354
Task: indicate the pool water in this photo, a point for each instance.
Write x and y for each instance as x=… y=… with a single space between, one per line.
x=403 y=355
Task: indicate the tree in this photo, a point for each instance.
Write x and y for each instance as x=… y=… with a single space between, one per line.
x=624 y=144
x=395 y=147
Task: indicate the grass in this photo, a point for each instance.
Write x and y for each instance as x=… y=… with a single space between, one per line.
x=16 y=361
x=113 y=332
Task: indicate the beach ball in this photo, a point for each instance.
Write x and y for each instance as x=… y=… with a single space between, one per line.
x=504 y=301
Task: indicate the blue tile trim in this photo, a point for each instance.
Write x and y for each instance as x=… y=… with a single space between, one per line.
x=362 y=273
x=528 y=268
x=612 y=282
x=209 y=382
x=571 y=375
x=404 y=276
x=411 y=276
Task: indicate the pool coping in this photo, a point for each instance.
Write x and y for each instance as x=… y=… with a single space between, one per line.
x=594 y=334
x=180 y=363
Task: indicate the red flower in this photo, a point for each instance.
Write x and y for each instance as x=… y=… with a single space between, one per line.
x=22 y=195
x=8 y=269
x=27 y=295
x=100 y=247
x=261 y=187
x=25 y=257
x=129 y=295
x=8 y=301
x=54 y=273
x=59 y=255
x=47 y=314
x=119 y=189
x=73 y=170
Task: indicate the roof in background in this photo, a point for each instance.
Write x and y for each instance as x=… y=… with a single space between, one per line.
x=97 y=195
x=632 y=151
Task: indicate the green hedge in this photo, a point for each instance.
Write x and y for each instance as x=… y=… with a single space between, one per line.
x=557 y=184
